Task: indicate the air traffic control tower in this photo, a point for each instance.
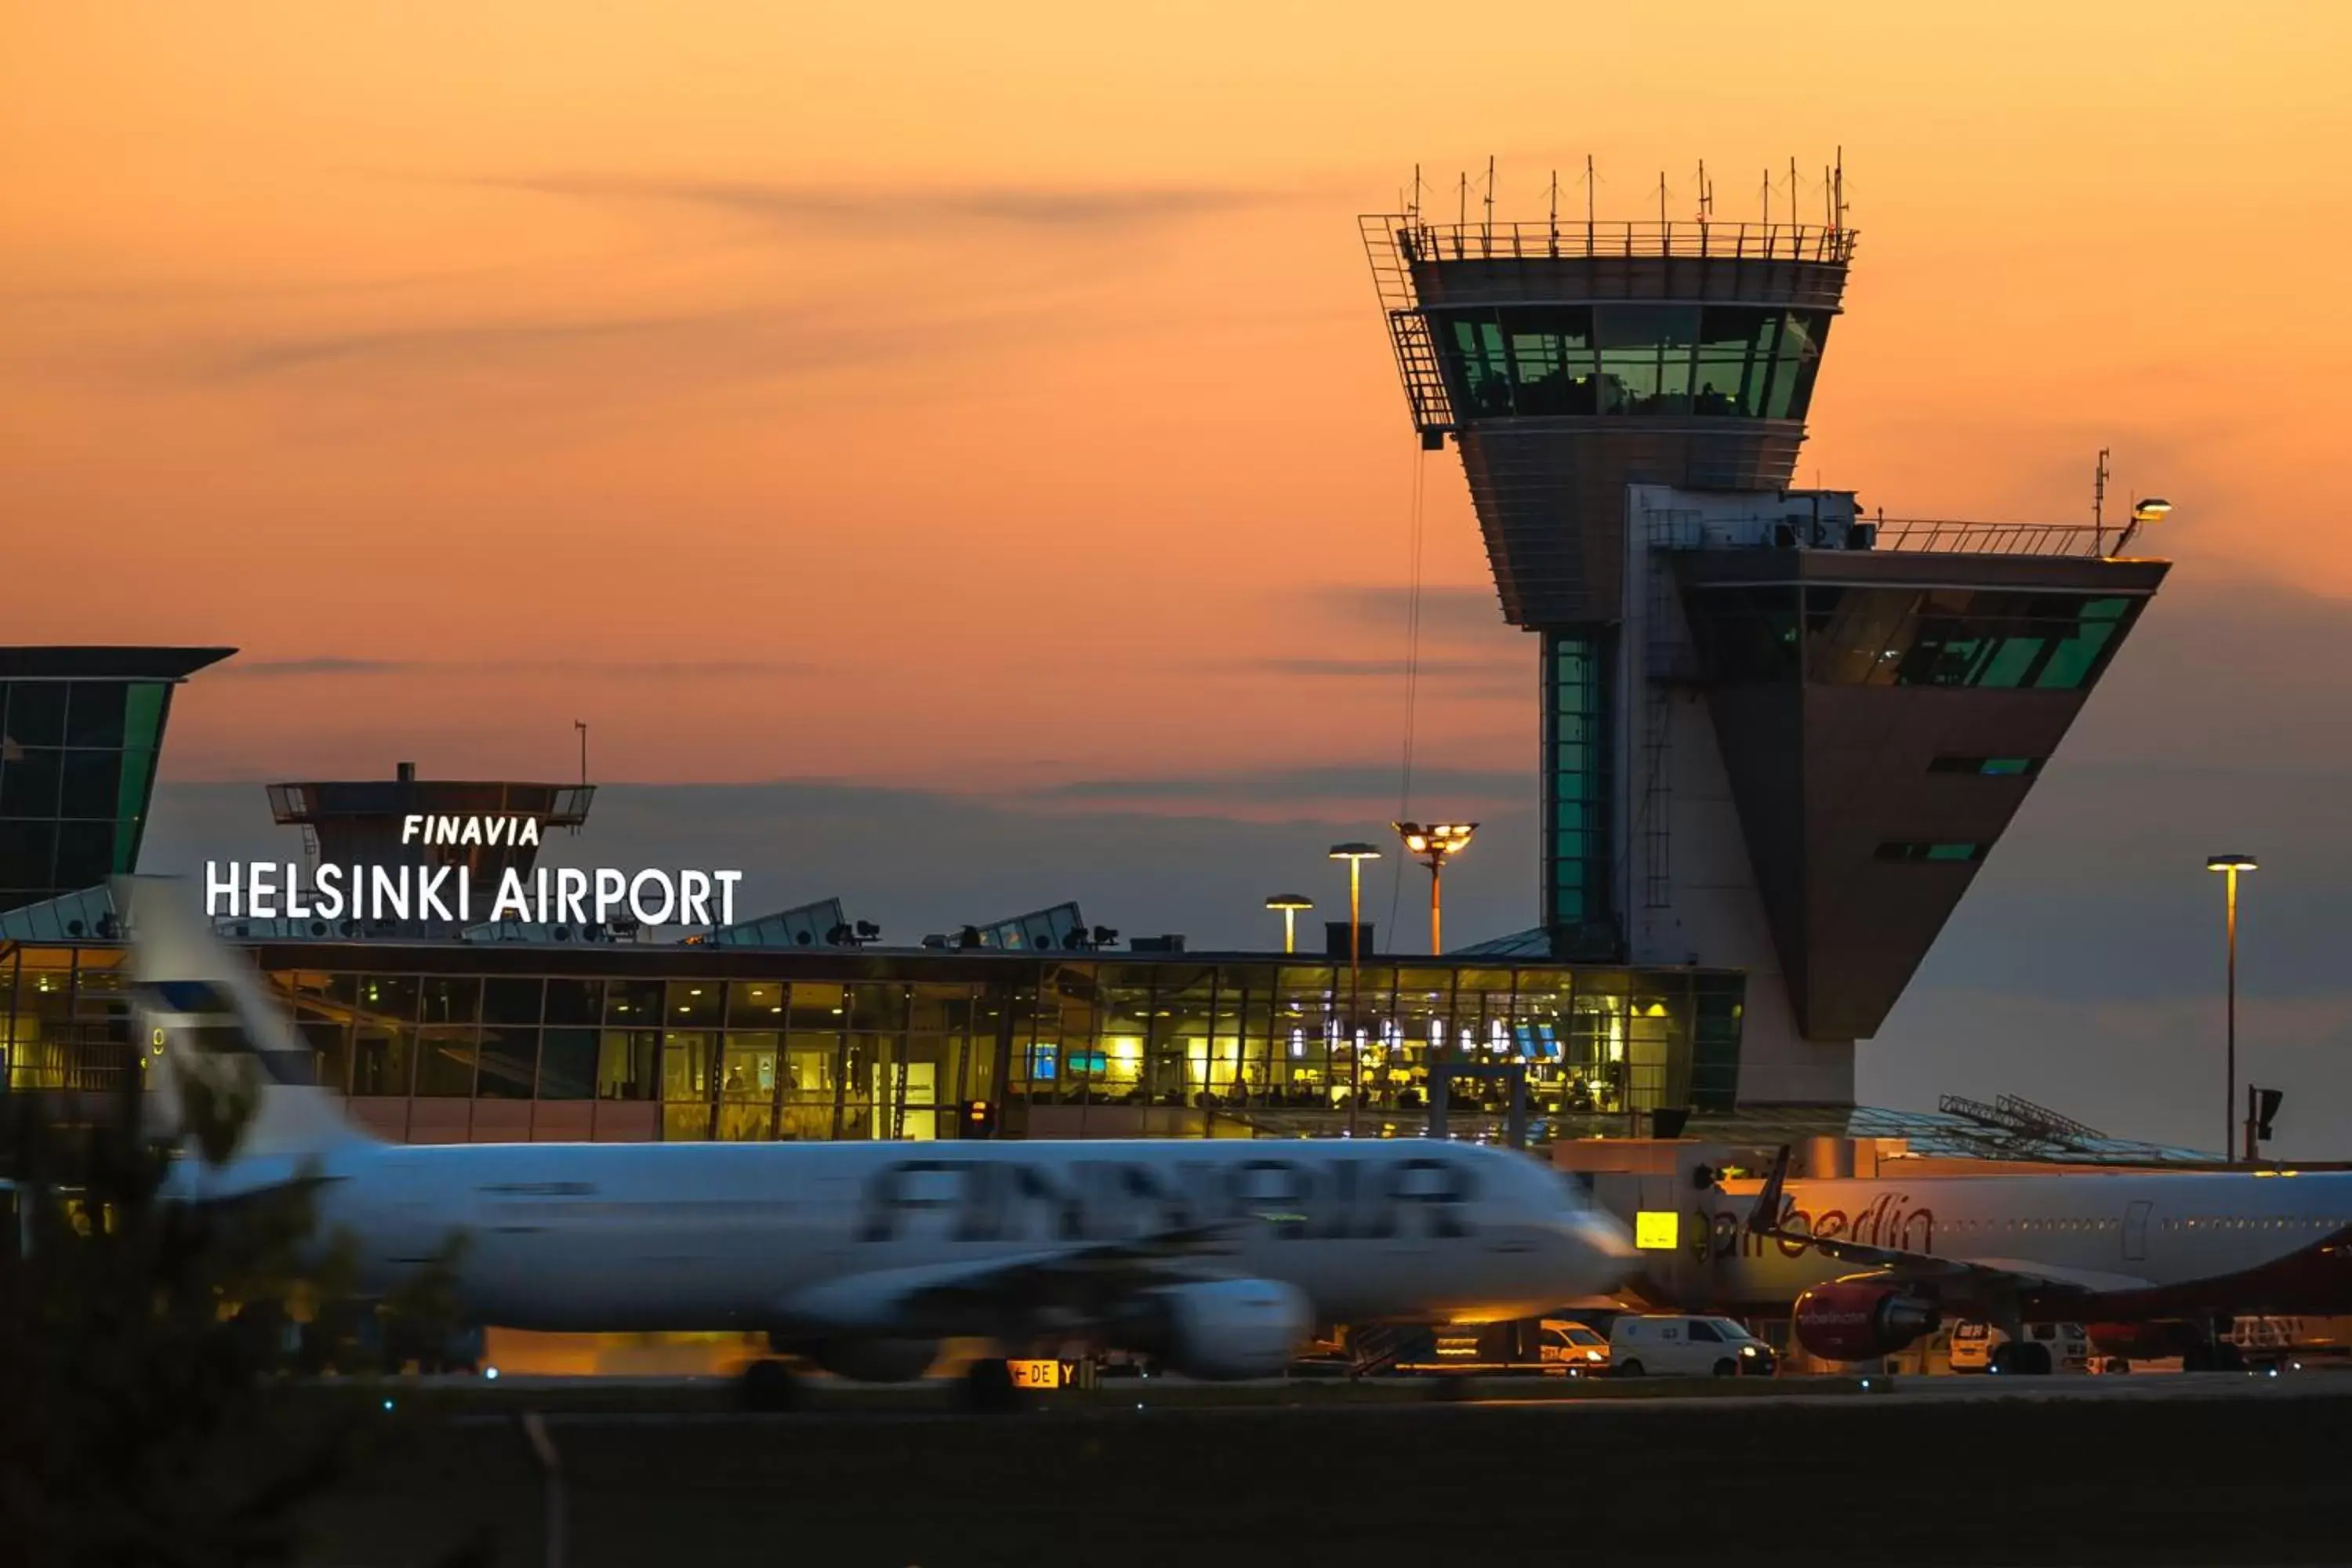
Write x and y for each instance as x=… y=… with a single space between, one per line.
x=1778 y=733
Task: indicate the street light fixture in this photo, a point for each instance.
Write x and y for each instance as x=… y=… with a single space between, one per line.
x=2155 y=508
x=1355 y=855
x=2230 y=866
x=1434 y=846
x=1290 y=904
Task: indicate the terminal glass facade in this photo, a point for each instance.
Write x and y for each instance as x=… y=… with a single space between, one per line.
x=1745 y=362
x=77 y=766
x=452 y=1043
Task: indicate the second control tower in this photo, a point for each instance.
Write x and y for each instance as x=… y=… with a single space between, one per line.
x=477 y=829
x=1777 y=733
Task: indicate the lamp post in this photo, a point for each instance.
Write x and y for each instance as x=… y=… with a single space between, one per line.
x=1355 y=855
x=1434 y=846
x=1290 y=904
x=2230 y=866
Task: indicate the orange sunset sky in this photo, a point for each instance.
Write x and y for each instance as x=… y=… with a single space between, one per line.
x=972 y=396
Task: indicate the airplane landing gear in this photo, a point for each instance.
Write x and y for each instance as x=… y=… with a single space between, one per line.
x=2021 y=1358
x=2214 y=1352
x=988 y=1388
x=767 y=1387
x=2221 y=1356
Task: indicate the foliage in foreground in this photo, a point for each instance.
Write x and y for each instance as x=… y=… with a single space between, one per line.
x=143 y=1420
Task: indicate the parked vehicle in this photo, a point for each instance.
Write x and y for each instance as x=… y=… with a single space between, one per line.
x=2054 y=1347
x=1557 y=1347
x=1659 y=1345
x=2295 y=1343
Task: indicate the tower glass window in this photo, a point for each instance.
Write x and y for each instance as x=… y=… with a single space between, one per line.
x=1995 y=638
x=1579 y=772
x=1643 y=360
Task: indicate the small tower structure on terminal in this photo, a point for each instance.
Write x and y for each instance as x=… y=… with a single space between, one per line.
x=1778 y=733
x=377 y=822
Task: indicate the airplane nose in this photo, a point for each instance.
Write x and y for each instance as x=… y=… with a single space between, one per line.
x=1605 y=1235
x=1602 y=1248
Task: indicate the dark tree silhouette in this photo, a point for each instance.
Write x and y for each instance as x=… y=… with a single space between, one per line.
x=146 y=1411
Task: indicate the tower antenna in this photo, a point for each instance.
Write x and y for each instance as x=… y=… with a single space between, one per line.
x=2099 y=503
x=1837 y=186
x=1591 y=187
x=1767 y=200
x=1705 y=195
x=1555 y=212
x=1486 y=233
x=1412 y=210
x=581 y=725
x=1661 y=198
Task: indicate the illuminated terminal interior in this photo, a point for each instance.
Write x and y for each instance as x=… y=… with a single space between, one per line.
x=452 y=1042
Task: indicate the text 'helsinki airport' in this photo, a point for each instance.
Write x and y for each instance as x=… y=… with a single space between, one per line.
x=1779 y=737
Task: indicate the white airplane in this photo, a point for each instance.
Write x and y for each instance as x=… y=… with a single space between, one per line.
x=2154 y=1264
x=1218 y=1256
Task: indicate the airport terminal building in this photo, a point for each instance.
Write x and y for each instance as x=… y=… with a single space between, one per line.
x=791 y=1024
x=1780 y=734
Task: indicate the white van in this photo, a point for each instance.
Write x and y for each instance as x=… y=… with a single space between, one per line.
x=2047 y=1347
x=1646 y=1345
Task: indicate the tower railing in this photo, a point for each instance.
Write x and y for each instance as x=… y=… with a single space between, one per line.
x=1416 y=351
x=1690 y=529
x=1553 y=239
x=1946 y=537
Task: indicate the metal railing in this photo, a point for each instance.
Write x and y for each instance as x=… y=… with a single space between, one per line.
x=1691 y=530
x=1931 y=536
x=79 y=1064
x=1409 y=334
x=1553 y=240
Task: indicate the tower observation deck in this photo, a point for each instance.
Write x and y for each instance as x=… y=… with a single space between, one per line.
x=1568 y=361
x=1778 y=733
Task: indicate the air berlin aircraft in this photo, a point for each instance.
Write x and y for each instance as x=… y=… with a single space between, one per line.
x=2150 y=1262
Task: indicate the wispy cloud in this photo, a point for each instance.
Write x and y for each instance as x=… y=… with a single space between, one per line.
x=1056 y=209
x=1459 y=677
x=1381 y=668
x=658 y=351
x=1449 y=613
x=471 y=341
x=622 y=670
x=1288 y=787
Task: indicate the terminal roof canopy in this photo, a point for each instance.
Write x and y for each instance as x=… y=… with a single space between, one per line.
x=106 y=663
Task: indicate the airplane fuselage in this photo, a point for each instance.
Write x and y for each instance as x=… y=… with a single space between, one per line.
x=2163 y=1243
x=709 y=1237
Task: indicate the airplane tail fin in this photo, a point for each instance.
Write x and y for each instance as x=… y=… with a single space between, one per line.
x=1764 y=1219
x=211 y=1024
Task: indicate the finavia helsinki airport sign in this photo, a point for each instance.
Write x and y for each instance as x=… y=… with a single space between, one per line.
x=268 y=889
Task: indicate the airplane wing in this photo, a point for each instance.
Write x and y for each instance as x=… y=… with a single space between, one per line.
x=1956 y=1277
x=1051 y=1287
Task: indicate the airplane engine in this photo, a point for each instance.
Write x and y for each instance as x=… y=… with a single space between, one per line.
x=876 y=1360
x=1233 y=1328
x=1857 y=1320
